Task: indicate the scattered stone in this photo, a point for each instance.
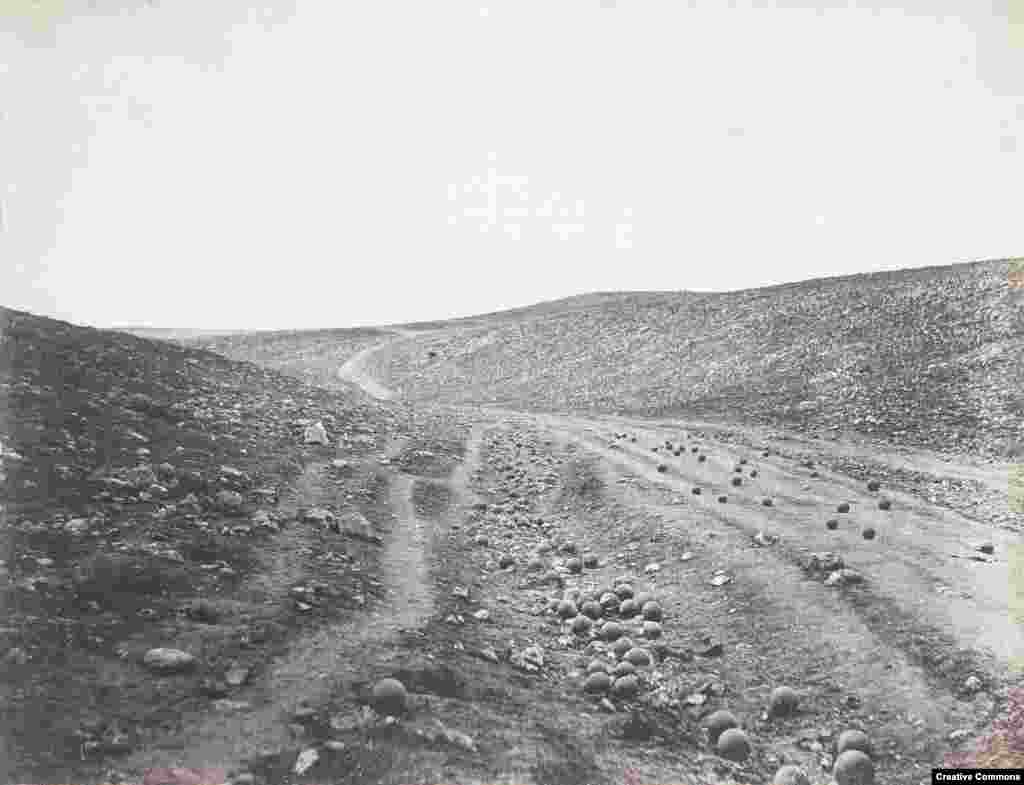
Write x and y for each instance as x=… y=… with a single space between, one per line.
x=853 y=740
x=832 y=524
x=612 y=631
x=168 y=660
x=389 y=697
x=621 y=646
x=591 y=609
x=844 y=577
x=733 y=745
x=597 y=682
x=823 y=562
x=853 y=767
x=783 y=702
x=316 y=434
x=651 y=611
x=305 y=761
x=737 y=481
x=884 y=504
x=625 y=687
x=641 y=658
x=844 y=507
x=972 y=684
x=652 y=630
x=791 y=775
x=581 y=625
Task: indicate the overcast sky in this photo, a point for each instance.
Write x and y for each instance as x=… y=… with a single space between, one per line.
x=191 y=163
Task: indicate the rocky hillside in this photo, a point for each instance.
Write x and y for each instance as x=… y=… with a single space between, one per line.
x=926 y=356
x=138 y=478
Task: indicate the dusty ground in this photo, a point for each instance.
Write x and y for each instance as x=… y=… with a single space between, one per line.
x=451 y=491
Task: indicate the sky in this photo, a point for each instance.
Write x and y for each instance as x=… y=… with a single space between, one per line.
x=231 y=165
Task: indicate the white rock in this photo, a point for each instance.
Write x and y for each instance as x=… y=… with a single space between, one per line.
x=316 y=434
x=168 y=659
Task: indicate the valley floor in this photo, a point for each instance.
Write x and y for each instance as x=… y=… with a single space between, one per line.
x=914 y=641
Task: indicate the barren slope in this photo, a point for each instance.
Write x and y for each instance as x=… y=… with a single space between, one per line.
x=926 y=357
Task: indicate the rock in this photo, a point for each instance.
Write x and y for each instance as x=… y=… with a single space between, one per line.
x=652 y=630
x=624 y=591
x=824 y=561
x=621 y=646
x=987 y=547
x=844 y=577
x=16 y=656
x=832 y=524
x=718 y=722
x=874 y=485
x=884 y=504
x=168 y=660
x=237 y=676
x=737 y=481
x=695 y=491
x=305 y=761
x=844 y=507
x=228 y=501
x=641 y=658
x=853 y=740
x=972 y=684
x=353 y=524
x=628 y=608
x=623 y=668
x=723 y=499
x=783 y=702
x=853 y=767
x=651 y=611
x=597 y=682
x=581 y=625
x=662 y=467
x=591 y=609
x=868 y=533
x=767 y=502
x=531 y=658
x=316 y=434
x=791 y=775
x=505 y=561
x=574 y=565
x=389 y=697
x=567 y=609
x=612 y=631
x=625 y=687
x=590 y=561
x=733 y=745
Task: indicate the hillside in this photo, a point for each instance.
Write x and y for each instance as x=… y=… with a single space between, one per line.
x=152 y=495
x=927 y=357
x=311 y=355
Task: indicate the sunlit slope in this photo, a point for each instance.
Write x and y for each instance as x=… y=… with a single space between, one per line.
x=929 y=355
